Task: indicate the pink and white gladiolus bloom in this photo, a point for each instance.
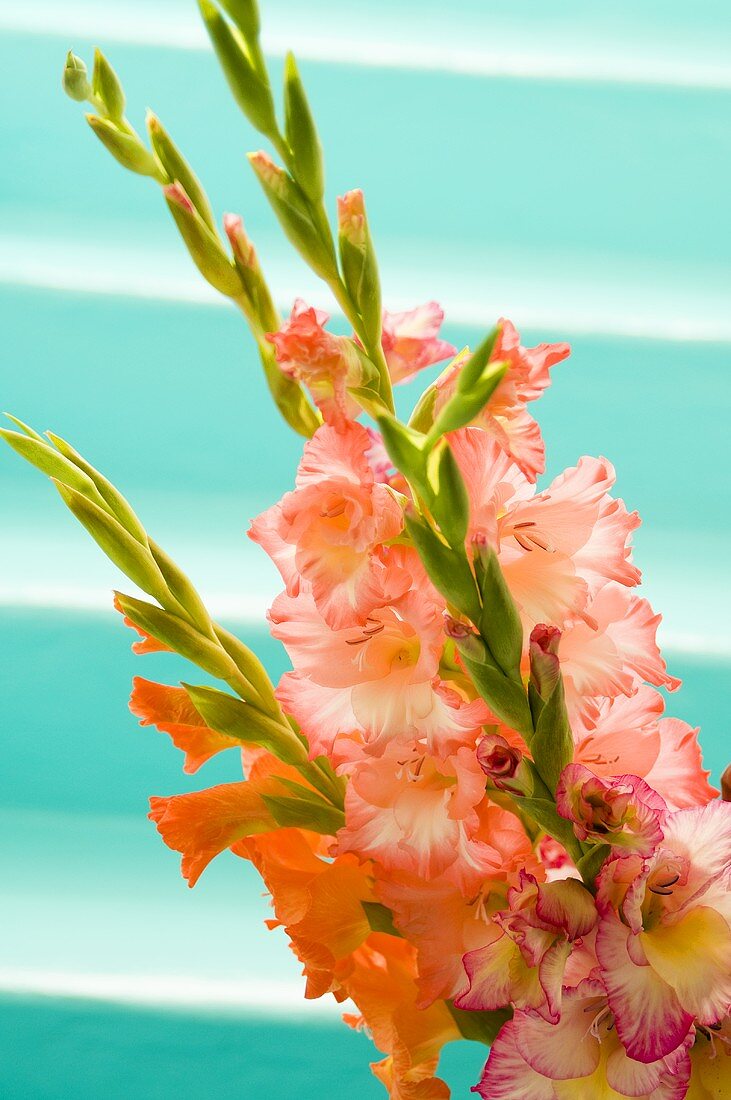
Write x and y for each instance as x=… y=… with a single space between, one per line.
x=664 y=940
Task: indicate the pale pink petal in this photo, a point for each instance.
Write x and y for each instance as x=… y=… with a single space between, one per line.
x=411 y=340
x=678 y=773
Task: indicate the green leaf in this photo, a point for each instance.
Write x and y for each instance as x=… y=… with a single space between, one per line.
x=448 y=568
x=552 y=745
x=245 y=14
x=449 y=503
x=302 y=134
x=380 y=918
x=477 y=362
x=235 y=718
x=182 y=589
x=507 y=699
x=590 y=864
x=546 y=815
x=480 y=1027
x=422 y=417
x=406 y=449
x=300 y=813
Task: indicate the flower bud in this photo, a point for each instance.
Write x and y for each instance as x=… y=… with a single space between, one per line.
x=74 y=80
x=247 y=263
x=545 y=668
x=177 y=168
x=248 y=85
x=359 y=264
x=107 y=88
x=204 y=247
x=294 y=215
x=126 y=148
x=302 y=134
x=504 y=765
x=624 y=812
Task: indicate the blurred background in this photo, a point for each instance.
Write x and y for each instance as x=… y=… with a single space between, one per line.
x=563 y=164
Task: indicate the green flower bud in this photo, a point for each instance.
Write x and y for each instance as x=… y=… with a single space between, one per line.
x=302 y=134
x=107 y=88
x=358 y=261
x=74 y=80
x=248 y=85
x=293 y=212
x=177 y=168
x=205 y=248
x=126 y=148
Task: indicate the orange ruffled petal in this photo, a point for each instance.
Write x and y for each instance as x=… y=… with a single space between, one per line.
x=171 y=711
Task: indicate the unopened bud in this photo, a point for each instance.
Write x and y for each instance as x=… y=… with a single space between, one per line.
x=205 y=248
x=504 y=765
x=351 y=217
x=74 y=80
x=545 y=668
x=457 y=629
x=241 y=246
x=174 y=193
x=295 y=216
x=125 y=147
x=107 y=87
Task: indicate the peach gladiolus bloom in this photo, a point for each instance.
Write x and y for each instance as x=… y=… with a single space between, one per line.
x=557 y=548
x=411 y=340
x=330 y=529
x=505 y=417
x=325 y=363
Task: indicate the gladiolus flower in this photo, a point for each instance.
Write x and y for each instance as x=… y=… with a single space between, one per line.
x=505 y=417
x=664 y=941
x=623 y=812
x=411 y=340
x=330 y=529
x=578 y=1058
x=327 y=364
x=531 y=942
x=557 y=547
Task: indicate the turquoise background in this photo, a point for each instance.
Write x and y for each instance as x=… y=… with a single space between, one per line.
x=564 y=164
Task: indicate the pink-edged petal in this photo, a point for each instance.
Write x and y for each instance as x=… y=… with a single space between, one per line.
x=568 y=905
x=490 y=973
x=649 y=1018
x=567 y=1049
x=507 y=1075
